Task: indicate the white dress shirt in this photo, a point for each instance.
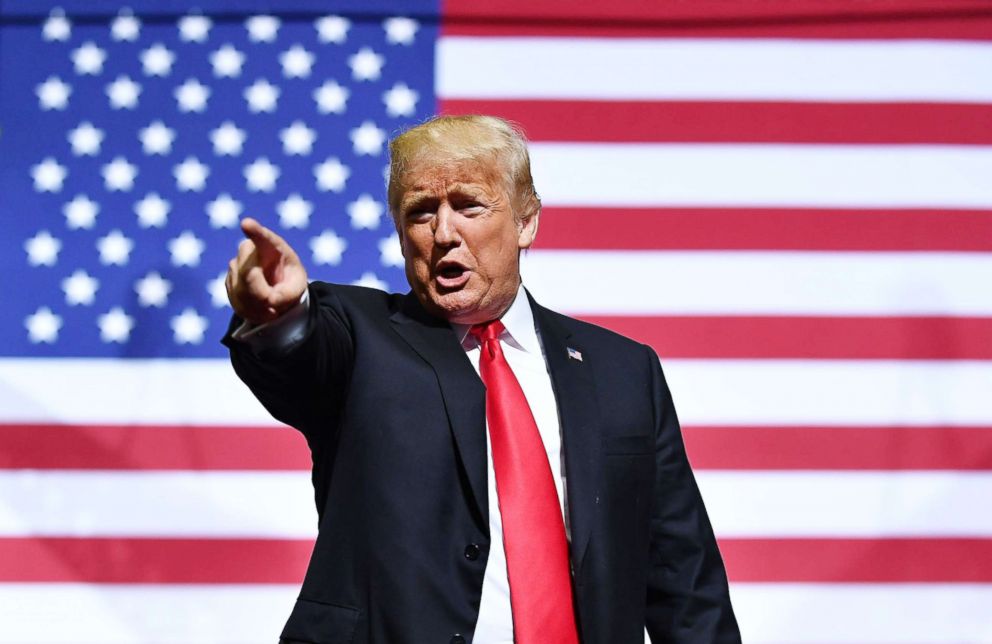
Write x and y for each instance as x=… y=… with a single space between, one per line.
x=525 y=355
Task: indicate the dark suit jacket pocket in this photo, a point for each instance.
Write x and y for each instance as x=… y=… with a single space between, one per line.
x=319 y=623
x=628 y=445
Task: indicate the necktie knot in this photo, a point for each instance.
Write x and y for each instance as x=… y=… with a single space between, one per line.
x=487 y=331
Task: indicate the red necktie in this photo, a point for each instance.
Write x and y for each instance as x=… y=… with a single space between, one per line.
x=533 y=530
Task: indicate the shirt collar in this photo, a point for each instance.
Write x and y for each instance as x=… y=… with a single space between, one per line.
x=519 y=322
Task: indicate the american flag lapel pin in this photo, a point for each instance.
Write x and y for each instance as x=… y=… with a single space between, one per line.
x=574 y=354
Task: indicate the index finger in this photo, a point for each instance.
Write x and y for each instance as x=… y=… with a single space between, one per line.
x=264 y=239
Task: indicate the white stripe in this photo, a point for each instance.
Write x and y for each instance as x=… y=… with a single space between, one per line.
x=707 y=392
x=831 y=392
x=763 y=175
x=142 y=614
x=724 y=69
x=847 y=504
x=245 y=614
x=168 y=504
x=280 y=505
x=126 y=391
x=760 y=283
x=863 y=613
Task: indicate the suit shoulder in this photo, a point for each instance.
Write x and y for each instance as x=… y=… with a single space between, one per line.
x=595 y=335
x=350 y=297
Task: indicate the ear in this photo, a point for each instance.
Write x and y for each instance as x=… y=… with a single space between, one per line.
x=528 y=229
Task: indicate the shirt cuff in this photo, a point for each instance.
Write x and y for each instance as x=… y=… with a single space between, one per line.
x=280 y=334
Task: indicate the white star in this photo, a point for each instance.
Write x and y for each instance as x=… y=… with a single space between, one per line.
x=43 y=326
x=366 y=64
x=369 y=280
x=400 y=100
x=262 y=28
x=390 y=251
x=114 y=249
x=296 y=62
x=188 y=327
x=331 y=98
x=157 y=60
x=262 y=96
x=192 y=96
x=80 y=212
x=217 y=290
x=88 y=59
x=261 y=175
x=227 y=62
x=125 y=27
x=157 y=138
x=57 y=26
x=368 y=139
x=85 y=139
x=123 y=93
x=43 y=249
x=297 y=139
x=194 y=28
x=191 y=175
x=332 y=29
x=186 y=249
x=53 y=94
x=331 y=175
x=224 y=211
x=115 y=325
x=152 y=290
x=365 y=212
x=327 y=248
x=400 y=31
x=80 y=288
x=48 y=175
x=294 y=212
x=152 y=211
x=227 y=139
x=119 y=174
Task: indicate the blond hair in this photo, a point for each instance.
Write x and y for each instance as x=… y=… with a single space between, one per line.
x=470 y=137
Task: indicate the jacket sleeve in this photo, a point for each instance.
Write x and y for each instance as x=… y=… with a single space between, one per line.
x=688 y=599
x=302 y=387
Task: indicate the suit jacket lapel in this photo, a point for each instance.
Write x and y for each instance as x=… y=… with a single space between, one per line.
x=574 y=390
x=461 y=388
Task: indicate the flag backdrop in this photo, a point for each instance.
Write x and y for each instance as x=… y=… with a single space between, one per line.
x=791 y=202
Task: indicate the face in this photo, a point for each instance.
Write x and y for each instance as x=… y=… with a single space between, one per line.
x=462 y=238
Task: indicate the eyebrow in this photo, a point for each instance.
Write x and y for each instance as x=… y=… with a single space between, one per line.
x=420 y=194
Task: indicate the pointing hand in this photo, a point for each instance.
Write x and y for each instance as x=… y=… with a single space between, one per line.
x=266 y=279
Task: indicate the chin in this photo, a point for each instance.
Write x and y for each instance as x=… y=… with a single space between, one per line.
x=462 y=306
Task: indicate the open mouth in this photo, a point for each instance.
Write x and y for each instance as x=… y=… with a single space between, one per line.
x=451 y=275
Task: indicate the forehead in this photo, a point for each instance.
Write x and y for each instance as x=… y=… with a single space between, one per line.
x=434 y=174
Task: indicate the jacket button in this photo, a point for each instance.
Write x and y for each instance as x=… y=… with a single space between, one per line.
x=456 y=639
x=472 y=551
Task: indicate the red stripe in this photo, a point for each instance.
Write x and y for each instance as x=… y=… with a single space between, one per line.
x=966 y=19
x=109 y=447
x=764 y=229
x=710 y=448
x=858 y=560
x=737 y=122
x=241 y=561
x=839 y=448
x=154 y=561
x=872 y=338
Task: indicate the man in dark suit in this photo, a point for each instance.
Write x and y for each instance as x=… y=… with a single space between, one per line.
x=485 y=470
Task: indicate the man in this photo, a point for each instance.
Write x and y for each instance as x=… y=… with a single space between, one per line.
x=485 y=470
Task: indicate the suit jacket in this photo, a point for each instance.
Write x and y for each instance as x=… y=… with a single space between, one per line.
x=394 y=415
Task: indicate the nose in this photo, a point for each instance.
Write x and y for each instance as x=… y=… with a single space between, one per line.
x=446 y=232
